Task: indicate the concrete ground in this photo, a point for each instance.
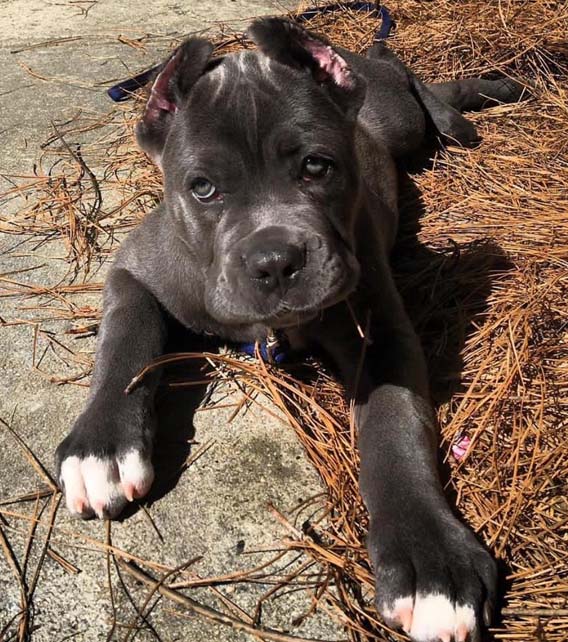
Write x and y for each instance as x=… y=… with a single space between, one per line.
x=56 y=58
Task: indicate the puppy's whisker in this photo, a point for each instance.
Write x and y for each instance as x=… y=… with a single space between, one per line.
x=355 y=321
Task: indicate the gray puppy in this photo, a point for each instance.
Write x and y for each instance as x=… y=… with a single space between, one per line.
x=280 y=204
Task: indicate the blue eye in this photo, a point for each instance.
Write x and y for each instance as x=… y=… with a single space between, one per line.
x=204 y=190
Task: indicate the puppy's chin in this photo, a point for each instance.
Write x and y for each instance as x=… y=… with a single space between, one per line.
x=299 y=306
x=289 y=319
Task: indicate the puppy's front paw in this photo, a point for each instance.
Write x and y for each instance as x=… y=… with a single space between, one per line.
x=96 y=482
x=436 y=582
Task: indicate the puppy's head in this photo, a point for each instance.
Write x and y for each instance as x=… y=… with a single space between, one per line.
x=260 y=171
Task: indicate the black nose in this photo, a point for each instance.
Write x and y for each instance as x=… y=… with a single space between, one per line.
x=274 y=265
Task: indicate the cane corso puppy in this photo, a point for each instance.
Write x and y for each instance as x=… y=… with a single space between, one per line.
x=279 y=213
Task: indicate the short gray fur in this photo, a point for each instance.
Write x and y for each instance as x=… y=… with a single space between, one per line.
x=300 y=144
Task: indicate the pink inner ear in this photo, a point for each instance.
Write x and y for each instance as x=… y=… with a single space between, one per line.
x=331 y=63
x=159 y=101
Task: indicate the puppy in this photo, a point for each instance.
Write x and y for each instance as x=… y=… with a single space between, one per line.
x=280 y=204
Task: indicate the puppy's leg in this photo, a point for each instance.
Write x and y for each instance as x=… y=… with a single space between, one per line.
x=472 y=94
x=105 y=460
x=447 y=120
x=383 y=69
x=433 y=578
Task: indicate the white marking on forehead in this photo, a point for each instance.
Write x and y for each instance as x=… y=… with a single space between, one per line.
x=255 y=67
x=244 y=60
x=219 y=77
x=265 y=64
x=219 y=72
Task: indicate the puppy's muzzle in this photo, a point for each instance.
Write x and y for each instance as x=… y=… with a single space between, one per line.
x=272 y=261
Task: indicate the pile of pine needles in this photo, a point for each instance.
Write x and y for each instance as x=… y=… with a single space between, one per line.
x=482 y=261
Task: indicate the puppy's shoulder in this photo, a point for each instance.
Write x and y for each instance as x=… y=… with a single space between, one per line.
x=140 y=251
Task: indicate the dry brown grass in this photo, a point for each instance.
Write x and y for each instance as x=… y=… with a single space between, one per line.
x=485 y=277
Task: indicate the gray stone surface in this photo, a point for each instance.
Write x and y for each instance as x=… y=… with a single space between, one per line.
x=218 y=509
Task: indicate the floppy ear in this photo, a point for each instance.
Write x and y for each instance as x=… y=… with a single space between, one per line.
x=292 y=45
x=170 y=87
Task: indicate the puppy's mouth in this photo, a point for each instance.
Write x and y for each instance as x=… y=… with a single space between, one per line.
x=286 y=317
x=305 y=300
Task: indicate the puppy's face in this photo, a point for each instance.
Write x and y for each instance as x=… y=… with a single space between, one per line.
x=261 y=175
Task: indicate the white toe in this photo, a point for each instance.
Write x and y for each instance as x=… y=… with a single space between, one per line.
x=436 y=618
x=466 y=624
x=103 y=487
x=72 y=481
x=136 y=475
x=400 y=613
x=433 y=618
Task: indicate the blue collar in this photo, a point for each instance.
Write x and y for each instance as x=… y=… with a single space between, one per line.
x=274 y=349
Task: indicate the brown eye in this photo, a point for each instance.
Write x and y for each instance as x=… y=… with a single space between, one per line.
x=203 y=190
x=314 y=167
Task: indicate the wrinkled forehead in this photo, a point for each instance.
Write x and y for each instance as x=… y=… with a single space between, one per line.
x=247 y=97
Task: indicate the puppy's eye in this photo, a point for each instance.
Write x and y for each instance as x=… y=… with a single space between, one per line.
x=314 y=167
x=204 y=191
